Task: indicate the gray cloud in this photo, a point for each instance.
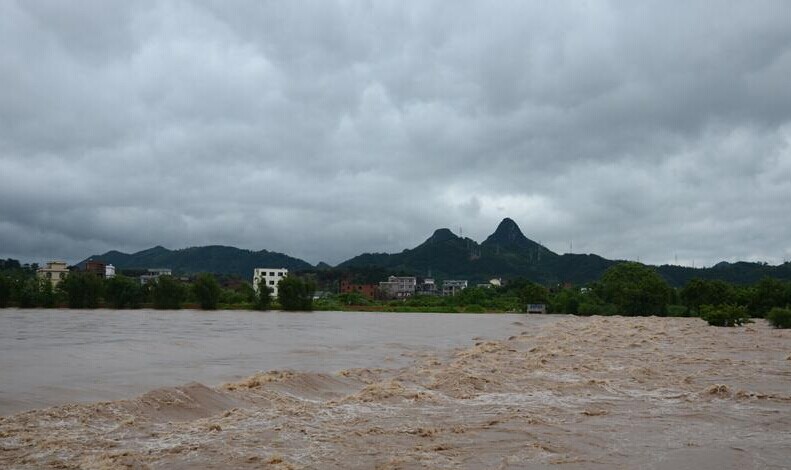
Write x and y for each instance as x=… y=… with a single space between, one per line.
x=325 y=129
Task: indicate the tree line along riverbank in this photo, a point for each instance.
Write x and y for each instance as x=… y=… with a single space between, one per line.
x=629 y=289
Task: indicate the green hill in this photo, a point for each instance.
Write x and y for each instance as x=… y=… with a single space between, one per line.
x=508 y=253
x=214 y=259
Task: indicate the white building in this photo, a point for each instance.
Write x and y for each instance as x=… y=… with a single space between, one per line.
x=154 y=274
x=271 y=277
x=453 y=287
x=109 y=271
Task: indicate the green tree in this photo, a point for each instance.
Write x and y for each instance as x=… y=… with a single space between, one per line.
x=767 y=293
x=472 y=296
x=295 y=293
x=207 y=291
x=46 y=294
x=27 y=293
x=263 y=297
x=6 y=288
x=724 y=315
x=247 y=292
x=122 y=292
x=634 y=289
x=566 y=301
x=779 y=317
x=532 y=293
x=699 y=292
x=167 y=293
x=81 y=289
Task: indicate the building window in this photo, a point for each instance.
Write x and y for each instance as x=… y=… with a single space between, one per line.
x=271 y=283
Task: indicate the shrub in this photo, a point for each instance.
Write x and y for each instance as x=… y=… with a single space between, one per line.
x=588 y=308
x=207 y=291
x=474 y=308
x=725 y=315
x=678 y=311
x=779 y=317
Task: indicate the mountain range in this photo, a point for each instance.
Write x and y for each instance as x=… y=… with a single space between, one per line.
x=506 y=253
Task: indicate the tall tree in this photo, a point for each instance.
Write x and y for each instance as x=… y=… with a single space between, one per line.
x=82 y=289
x=123 y=292
x=635 y=289
x=168 y=293
x=5 y=290
x=263 y=297
x=296 y=294
x=207 y=291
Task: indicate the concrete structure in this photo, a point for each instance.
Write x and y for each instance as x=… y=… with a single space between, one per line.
x=493 y=282
x=427 y=287
x=270 y=276
x=95 y=267
x=109 y=271
x=398 y=287
x=54 y=271
x=536 y=308
x=453 y=287
x=154 y=274
x=368 y=290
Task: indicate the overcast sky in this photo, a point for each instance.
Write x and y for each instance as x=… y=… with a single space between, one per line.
x=326 y=129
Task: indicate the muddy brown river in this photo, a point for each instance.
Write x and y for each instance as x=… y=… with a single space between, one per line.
x=347 y=390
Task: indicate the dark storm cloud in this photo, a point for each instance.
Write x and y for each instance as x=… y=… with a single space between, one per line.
x=326 y=129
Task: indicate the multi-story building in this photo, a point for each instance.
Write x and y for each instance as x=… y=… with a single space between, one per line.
x=270 y=276
x=154 y=274
x=54 y=271
x=95 y=267
x=368 y=290
x=453 y=287
x=427 y=287
x=398 y=287
x=109 y=271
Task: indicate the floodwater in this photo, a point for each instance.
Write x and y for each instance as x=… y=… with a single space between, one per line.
x=530 y=392
x=50 y=357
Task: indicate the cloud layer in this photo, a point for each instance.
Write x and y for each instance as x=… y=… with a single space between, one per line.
x=325 y=129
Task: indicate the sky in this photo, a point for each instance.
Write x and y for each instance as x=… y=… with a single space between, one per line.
x=654 y=131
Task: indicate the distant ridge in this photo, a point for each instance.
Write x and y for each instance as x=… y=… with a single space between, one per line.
x=216 y=259
x=506 y=253
x=509 y=253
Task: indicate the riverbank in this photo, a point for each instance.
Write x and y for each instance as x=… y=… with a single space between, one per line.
x=598 y=392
